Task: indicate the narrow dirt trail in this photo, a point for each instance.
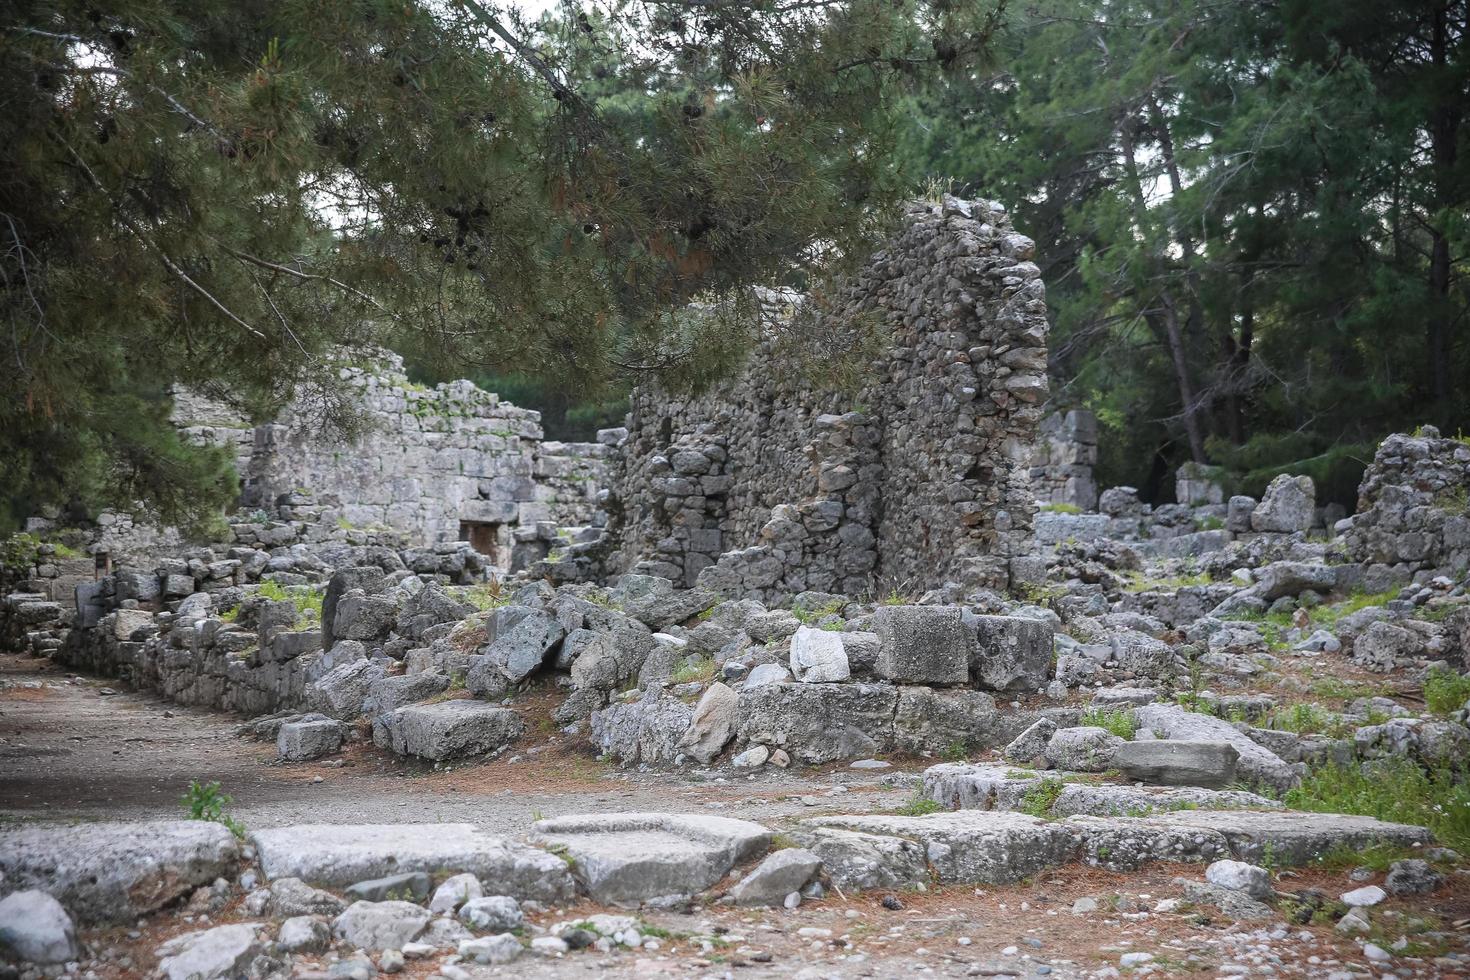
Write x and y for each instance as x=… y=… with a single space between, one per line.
x=69 y=750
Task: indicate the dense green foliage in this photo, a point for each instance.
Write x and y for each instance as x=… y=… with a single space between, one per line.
x=1251 y=219
x=218 y=192
x=1395 y=789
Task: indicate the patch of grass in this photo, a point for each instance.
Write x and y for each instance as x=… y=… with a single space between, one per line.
x=1377 y=857
x=807 y=616
x=1118 y=721
x=1456 y=502
x=308 y=601
x=782 y=842
x=1138 y=582
x=954 y=752
x=1340 y=689
x=1039 y=800
x=700 y=669
x=1327 y=616
x=487 y=595
x=918 y=805
x=1208 y=523
x=1306 y=719
x=1061 y=508
x=1446 y=691
x=1393 y=789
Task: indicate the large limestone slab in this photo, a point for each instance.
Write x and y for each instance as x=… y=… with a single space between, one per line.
x=627 y=858
x=335 y=856
x=923 y=644
x=115 y=872
x=1256 y=764
x=1170 y=762
x=819 y=723
x=966 y=786
x=1291 y=838
x=972 y=846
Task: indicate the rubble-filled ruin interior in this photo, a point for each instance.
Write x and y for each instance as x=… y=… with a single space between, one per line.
x=810 y=683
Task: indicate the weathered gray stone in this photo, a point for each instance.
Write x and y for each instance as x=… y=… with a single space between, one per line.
x=515 y=654
x=1292 y=578
x=454 y=891
x=923 y=644
x=492 y=913
x=864 y=862
x=451 y=729
x=1382 y=645
x=303 y=740
x=34 y=928
x=343 y=580
x=115 y=872
x=336 y=855
x=388 y=694
x=364 y=617
x=819 y=723
x=1171 y=762
x=409 y=886
x=609 y=660
x=342 y=692
x=632 y=857
x=818 y=657
x=1256 y=763
x=1011 y=653
x=304 y=934
x=971 y=846
x=222 y=953
x=294 y=897
x=945 y=720
x=656 y=602
x=777 y=876
x=1083 y=749
x=1288 y=505
x=648 y=730
x=713 y=723
x=766 y=674
x=1029 y=748
x=1410 y=876
x=381 y=925
x=1240 y=877
x=491 y=950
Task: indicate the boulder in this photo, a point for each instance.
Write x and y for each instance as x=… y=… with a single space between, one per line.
x=766 y=674
x=454 y=892
x=633 y=857
x=342 y=691
x=491 y=950
x=780 y=874
x=116 y=872
x=450 y=729
x=381 y=925
x=1288 y=505
x=923 y=644
x=856 y=861
x=946 y=720
x=1410 y=876
x=222 y=953
x=648 y=730
x=818 y=723
x=609 y=659
x=299 y=741
x=388 y=694
x=408 y=886
x=364 y=617
x=343 y=580
x=34 y=928
x=1292 y=578
x=713 y=724
x=304 y=934
x=1011 y=653
x=1240 y=877
x=817 y=656
x=656 y=602
x=1382 y=645
x=492 y=913
x=1172 y=762
x=1029 y=747
x=516 y=653
x=337 y=855
x=1083 y=749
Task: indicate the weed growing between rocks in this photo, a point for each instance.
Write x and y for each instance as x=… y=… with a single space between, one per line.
x=1394 y=789
x=1445 y=691
x=1118 y=722
x=205 y=801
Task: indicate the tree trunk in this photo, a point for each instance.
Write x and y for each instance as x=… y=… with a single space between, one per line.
x=1172 y=332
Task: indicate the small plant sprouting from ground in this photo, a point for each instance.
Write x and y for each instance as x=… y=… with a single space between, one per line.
x=1306 y=719
x=809 y=617
x=1039 y=799
x=701 y=669
x=954 y=752
x=1062 y=508
x=487 y=595
x=918 y=805
x=1446 y=691
x=205 y=801
x=1119 y=722
x=308 y=602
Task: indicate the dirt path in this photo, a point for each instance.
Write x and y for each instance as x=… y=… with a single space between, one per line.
x=69 y=749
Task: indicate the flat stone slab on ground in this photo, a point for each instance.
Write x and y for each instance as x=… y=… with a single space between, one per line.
x=449 y=729
x=115 y=872
x=1173 y=762
x=1292 y=838
x=972 y=846
x=336 y=856
x=977 y=786
x=631 y=857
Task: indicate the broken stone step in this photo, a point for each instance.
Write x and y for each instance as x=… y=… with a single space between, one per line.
x=976 y=786
x=115 y=872
x=336 y=856
x=627 y=858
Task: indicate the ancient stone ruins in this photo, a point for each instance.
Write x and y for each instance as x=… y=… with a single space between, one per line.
x=927 y=671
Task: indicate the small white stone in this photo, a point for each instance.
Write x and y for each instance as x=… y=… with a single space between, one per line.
x=1365 y=897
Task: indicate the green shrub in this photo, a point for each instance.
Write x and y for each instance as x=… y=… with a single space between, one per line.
x=204 y=801
x=1445 y=691
x=1039 y=800
x=917 y=806
x=1118 y=721
x=1393 y=789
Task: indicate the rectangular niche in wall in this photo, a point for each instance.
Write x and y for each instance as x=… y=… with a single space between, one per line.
x=484 y=537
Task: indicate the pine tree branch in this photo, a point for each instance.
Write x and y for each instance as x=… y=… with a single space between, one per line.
x=153 y=246
x=309 y=276
x=522 y=51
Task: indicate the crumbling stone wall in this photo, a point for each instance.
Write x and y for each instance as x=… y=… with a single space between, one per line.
x=765 y=486
x=1414 y=506
x=428 y=461
x=1066 y=452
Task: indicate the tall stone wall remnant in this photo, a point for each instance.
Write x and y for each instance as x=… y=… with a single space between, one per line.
x=1066 y=452
x=763 y=486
